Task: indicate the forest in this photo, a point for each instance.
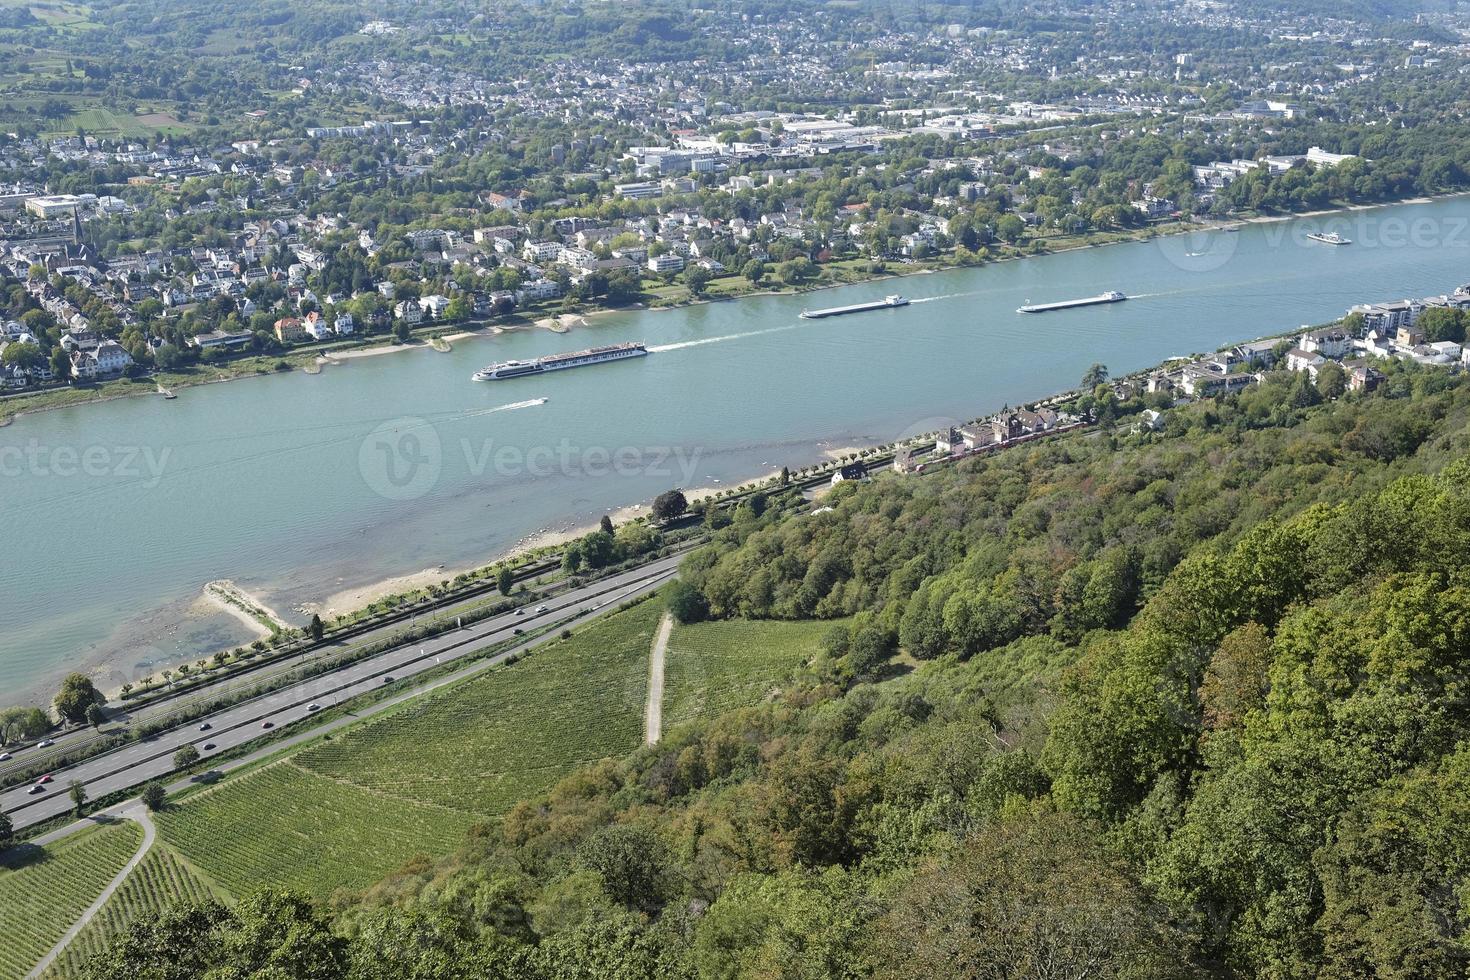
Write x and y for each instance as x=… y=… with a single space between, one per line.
x=1166 y=704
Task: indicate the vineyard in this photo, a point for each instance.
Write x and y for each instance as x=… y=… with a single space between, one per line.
x=713 y=667
x=159 y=882
x=287 y=827
x=511 y=733
x=44 y=890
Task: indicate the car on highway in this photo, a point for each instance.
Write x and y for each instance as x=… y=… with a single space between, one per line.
x=44 y=780
x=387 y=678
x=205 y=726
x=313 y=707
x=4 y=756
x=267 y=724
x=208 y=746
x=541 y=609
x=45 y=743
x=36 y=789
x=520 y=610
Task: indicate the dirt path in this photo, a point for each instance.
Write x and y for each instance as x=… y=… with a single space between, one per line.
x=653 y=714
x=140 y=814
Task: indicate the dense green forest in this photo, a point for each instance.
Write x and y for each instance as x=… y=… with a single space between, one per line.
x=1115 y=705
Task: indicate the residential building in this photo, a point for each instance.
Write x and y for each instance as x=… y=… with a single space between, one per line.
x=409 y=312
x=316 y=326
x=1329 y=342
x=541 y=251
x=1298 y=359
x=1364 y=378
x=290 y=330
x=668 y=262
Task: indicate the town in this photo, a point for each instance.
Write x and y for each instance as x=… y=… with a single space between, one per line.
x=606 y=179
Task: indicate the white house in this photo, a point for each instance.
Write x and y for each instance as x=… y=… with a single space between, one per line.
x=541 y=251
x=434 y=305
x=1303 y=360
x=409 y=313
x=538 y=289
x=316 y=325
x=344 y=325
x=668 y=262
x=1329 y=342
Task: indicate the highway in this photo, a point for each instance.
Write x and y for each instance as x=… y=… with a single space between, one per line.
x=139 y=762
x=127 y=714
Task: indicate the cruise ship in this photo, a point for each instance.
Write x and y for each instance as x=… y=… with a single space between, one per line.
x=559 y=362
x=1329 y=238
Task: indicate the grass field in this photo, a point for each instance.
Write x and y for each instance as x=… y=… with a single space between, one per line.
x=44 y=890
x=713 y=667
x=346 y=812
x=160 y=881
x=287 y=827
x=513 y=732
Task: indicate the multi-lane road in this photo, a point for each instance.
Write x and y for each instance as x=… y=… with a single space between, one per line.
x=130 y=714
x=239 y=724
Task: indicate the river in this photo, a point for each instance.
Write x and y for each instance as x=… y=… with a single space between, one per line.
x=302 y=487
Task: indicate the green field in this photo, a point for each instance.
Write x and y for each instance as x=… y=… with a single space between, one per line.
x=44 y=890
x=713 y=667
x=355 y=807
x=290 y=828
x=160 y=881
x=511 y=733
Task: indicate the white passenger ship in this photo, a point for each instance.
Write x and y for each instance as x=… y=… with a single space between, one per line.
x=560 y=362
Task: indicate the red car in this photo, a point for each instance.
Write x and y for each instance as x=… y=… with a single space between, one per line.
x=44 y=780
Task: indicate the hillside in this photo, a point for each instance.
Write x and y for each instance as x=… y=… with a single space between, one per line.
x=1119 y=705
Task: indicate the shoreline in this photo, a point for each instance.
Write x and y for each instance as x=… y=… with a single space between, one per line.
x=313 y=363
x=352 y=598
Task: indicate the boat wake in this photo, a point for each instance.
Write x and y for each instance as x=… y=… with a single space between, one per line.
x=511 y=407
x=662 y=348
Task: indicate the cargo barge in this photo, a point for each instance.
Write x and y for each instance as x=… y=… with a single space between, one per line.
x=1112 y=296
x=886 y=303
